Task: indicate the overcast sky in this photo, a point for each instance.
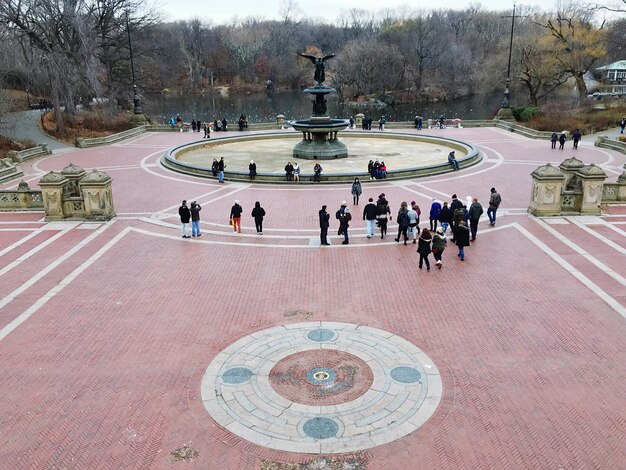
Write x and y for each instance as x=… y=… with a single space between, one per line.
x=223 y=11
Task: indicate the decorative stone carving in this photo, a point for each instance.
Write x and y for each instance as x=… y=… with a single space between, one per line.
x=52 y=186
x=548 y=183
x=569 y=167
x=592 y=179
x=97 y=196
x=358 y=120
x=74 y=174
x=280 y=121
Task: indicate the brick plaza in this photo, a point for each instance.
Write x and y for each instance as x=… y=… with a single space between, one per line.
x=107 y=330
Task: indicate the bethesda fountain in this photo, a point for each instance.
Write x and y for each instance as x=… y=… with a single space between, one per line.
x=319 y=132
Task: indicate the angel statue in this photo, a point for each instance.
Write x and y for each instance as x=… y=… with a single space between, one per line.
x=319 y=76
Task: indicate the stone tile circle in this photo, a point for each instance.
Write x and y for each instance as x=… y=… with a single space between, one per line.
x=321 y=387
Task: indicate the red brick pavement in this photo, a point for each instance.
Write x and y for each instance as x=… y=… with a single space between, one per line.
x=107 y=373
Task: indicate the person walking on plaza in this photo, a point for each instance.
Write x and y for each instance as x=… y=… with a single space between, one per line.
x=324 y=223
x=475 y=211
x=494 y=203
x=252 y=169
x=317 y=172
x=235 y=216
x=258 y=213
x=435 y=213
x=553 y=138
x=403 y=222
x=185 y=215
x=220 y=168
x=458 y=216
x=195 y=219
x=576 y=136
x=439 y=245
x=414 y=220
x=384 y=213
x=381 y=123
x=207 y=130
x=423 y=248
x=445 y=217
x=562 y=140
x=622 y=125
x=296 y=172
x=344 y=217
x=224 y=124
x=452 y=160
x=462 y=237
x=370 y=211
x=356 y=191
x=454 y=205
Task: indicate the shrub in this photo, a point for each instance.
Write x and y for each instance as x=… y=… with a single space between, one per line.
x=525 y=113
x=555 y=116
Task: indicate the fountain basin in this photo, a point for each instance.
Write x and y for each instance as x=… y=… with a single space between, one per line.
x=406 y=155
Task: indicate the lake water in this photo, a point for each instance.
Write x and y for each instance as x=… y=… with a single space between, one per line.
x=261 y=107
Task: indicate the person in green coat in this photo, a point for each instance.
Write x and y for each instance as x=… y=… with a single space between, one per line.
x=439 y=245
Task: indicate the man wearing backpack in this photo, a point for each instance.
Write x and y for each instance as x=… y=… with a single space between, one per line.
x=494 y=203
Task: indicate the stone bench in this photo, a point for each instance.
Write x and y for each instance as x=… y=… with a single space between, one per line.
x=27 y=154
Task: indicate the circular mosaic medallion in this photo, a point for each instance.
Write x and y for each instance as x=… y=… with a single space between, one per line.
x=321 y=387
x=321 y=377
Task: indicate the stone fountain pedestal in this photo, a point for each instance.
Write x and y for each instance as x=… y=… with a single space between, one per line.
x=319 y=133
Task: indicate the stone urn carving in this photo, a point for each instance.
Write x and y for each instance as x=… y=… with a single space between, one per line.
x=548 y=182
x=97 y=196
x=52 y=186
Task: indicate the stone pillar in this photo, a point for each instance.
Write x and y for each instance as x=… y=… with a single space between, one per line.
x=592 y=178
x=52 y=187
x=74 y=174
x=280 y=121
x=545 y=198
x=358 y=120
x=97 y=196
x=621 y=181
x=569 y=167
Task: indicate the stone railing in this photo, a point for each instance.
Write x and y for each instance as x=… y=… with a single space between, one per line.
x=615 y=192
x=27 y=154
x=21 y=199
x=8 y=170
x=607 y=143
x=111 y=139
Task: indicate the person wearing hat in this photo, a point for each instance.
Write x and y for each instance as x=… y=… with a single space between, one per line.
x=258 y=213
x=235 y=216
x=494 y=203
x=252 y=169
x=344 y=217
x=185 y=215
x=195 y=219
x=439 y=244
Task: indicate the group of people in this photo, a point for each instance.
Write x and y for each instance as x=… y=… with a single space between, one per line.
x=192 y=213
x=462 y=219
x=217 y=168
x=377 y=170
x=561 y=139
x=292 y=172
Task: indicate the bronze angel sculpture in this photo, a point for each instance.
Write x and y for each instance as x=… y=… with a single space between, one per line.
x=319 y=76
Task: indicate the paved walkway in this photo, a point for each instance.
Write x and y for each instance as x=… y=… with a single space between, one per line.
x=24 y=125
x=123 y=345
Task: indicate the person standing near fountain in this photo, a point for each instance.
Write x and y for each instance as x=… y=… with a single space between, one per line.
x=356 y=191
x=220 y=168
x=289 y=171
x=296 y=172
x=252 y=169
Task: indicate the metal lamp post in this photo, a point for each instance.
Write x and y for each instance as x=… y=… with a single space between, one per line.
x=136 y=99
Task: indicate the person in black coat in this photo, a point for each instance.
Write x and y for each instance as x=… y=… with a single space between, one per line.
x=252 y=169
x=185 y=216
x=324 y=224
x=562 y=140
x=258 y=213
x=224 y=125
x=462 y=238
x=423 y=248
x=289 y=171
x=445 y=217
